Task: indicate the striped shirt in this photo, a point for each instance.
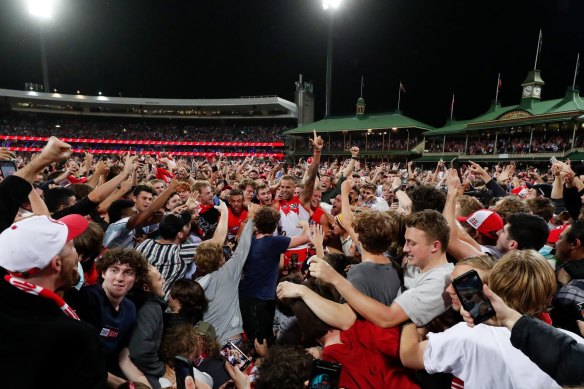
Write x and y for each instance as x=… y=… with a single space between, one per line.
x=171 y=260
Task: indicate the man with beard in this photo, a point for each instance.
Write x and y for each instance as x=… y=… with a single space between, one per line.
x=294 y=209
x=41 y=261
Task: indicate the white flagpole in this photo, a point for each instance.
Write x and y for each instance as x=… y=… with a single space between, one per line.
x=497 y=92
x=362 y=86
x=398 y=95
x=576 y=71
x=452 y=108
x=538 y=49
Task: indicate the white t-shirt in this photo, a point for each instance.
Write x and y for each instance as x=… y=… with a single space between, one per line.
x=291 y=213
x=483 y=357
x=426 y=297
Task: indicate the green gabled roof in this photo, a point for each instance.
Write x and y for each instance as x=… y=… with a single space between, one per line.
x=546 y=111
x=361 y=122
x=451 y=126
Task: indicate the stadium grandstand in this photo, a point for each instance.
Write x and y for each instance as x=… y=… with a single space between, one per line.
x=237 y=127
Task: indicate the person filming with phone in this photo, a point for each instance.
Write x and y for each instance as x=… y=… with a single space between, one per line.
x=483 y=357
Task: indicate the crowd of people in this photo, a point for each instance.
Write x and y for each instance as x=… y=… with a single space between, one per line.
x=505 y=144
x=153 y=129
x=119 y=271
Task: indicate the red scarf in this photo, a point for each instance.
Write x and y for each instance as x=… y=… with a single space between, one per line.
x=40 y=291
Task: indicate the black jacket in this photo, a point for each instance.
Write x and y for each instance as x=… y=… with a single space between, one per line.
x=556 y=353
x=42 y=347
x=13 y=192
x=146 y=339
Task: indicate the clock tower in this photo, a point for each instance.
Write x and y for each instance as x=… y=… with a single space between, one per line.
x=532 y=85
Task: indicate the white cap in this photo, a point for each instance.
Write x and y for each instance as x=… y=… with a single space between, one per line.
x=29 y=245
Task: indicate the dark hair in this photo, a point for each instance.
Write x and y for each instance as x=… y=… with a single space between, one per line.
x=172 y=224
x=114 y=212
x=81 y=190
x=378 y=230
x=285 y=367
x=247 y=182
x=529 y=231
x=88 y=245
x=144 y=188
x=575 y=231
x=311 y=326
x=427 y=197
x=123 y=256
x=339 y=262
x=541 y=206
x=235 y=192
x=57 y=197
x=191 y=297
x=433 y=223
x=266 y=220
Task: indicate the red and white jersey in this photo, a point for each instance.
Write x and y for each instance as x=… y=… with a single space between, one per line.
x=291 y=213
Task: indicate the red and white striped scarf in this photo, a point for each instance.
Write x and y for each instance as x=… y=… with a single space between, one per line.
x=40 y=291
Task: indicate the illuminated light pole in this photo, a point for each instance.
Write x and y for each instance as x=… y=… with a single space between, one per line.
x=330 y=6
x=42 y=10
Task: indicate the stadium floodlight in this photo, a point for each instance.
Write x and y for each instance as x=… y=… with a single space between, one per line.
x=334 y=4
x=330 y=6
x=42 y=9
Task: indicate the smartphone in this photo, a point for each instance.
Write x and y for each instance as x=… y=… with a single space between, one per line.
x=182 y=368
x=469 y=289
x=581 y=310
x=324 y=375
x=454 y=165
x=235 y=356
x=216 y=201
x=7 y=168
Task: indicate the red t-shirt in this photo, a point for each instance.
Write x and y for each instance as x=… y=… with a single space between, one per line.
x=234 y=221
x=369 y=356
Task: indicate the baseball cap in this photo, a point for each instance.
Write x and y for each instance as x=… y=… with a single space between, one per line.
x=554 y=235
x=543 y=189
x=206 y=329
x=27 y=246
x=520 y=191
x=484 y=221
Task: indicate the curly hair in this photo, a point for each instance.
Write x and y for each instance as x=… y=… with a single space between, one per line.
x=180 y=340
x=524 y=280
x=541 y=206
x=208 y=257
x=191 y=297
x=266 y=220
x=378 y=230
x=433 y=224
x=285 y=367
x=123 y=256
x=182 y=187
x=468 y=204
x=427 y=197
x=510 y=205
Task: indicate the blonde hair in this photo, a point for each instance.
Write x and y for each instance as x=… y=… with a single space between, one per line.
x=524 y=280
x=468 y=205
x=208 y=257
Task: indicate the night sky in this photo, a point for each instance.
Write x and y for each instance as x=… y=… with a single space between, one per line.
x=219 y=48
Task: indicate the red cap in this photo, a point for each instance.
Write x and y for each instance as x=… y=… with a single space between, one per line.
x=484 y=221
x=554 y=235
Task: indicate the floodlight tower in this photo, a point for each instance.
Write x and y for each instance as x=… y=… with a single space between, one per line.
x=330 y=6
x=43 y=11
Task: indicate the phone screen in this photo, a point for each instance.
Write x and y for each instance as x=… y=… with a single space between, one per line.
x=469 y=289
x=581 y=309
x=182 y=368
x=235 y=356
x=7 y=168
x=324 y=375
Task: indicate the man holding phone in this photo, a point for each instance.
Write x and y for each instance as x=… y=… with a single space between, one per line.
x=484 y=356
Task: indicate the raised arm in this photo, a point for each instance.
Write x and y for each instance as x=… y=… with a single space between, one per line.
x=337 y=315
x=371 y=309
x=306 y=195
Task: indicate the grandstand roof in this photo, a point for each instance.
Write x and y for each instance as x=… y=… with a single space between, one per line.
x=361 y=122
x=528 y=112
x=252 y=107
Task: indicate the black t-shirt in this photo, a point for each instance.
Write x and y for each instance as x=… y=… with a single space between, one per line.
x=13 y=192
x=207 y=221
